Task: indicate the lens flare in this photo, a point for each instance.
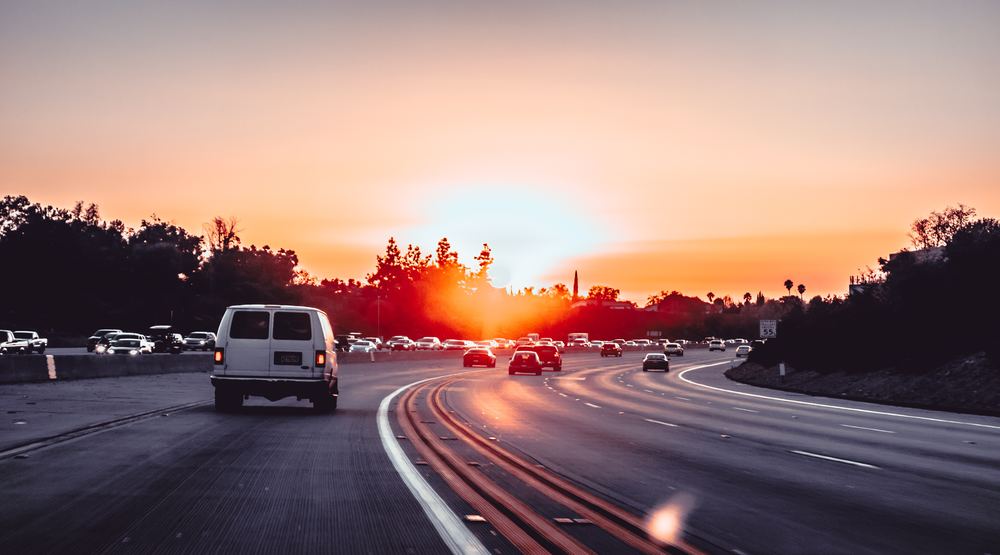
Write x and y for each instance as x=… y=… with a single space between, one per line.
x=665 y=523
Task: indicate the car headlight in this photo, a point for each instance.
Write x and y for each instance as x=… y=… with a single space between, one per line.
x=133 y=352
x=101 y=348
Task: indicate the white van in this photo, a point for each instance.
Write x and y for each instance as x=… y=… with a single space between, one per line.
x=275 y=351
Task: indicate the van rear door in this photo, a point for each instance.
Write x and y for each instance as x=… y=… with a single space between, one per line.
x=249 y=345
x=292 y=352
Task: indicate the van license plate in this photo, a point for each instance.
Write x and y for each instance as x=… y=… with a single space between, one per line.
x=290 y=359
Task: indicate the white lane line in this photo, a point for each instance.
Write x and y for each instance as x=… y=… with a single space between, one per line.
x=592 y=405
x=660 y=422
x=835 y=459
x=745 y=410
x=629 y=385
x=563 y=394
x=824 y=405
x=455 y=535
x=649 y=391
x=681 y=398
x=869 y=429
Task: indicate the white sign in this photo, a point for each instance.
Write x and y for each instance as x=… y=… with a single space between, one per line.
x=768 y=329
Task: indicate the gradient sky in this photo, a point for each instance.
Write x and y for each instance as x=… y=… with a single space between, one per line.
x=695 y=146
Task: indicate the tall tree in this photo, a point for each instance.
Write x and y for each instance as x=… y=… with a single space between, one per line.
x=603 y=293
x=747 y=297
x=788 y=285
x=390 y=273
x=802 y=290
x=484 y=260
x=222 y=234
x=937 y=229
x=710 y=296
x=444 y=256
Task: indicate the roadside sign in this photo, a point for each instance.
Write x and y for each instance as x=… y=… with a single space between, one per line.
x=654 y=333
x=768 y=329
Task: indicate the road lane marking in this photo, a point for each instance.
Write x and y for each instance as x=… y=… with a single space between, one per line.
x=869 y=429
x=660 y=422
x=682 y=398
x=629 y=385
x=649 y=391
x=745 y=410
x=835 y=459
x=563 y=394
x=592 y=405
x=824 y=405
x=453 y=532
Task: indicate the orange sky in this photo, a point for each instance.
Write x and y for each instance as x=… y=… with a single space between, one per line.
x=650 y=146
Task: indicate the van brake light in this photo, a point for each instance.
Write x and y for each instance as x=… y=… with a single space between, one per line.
x=320 y=358
x=220 y=355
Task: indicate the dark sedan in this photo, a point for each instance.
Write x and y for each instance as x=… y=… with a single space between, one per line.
x=547 y=354
x=479 y=356
x=656 y=361
x=610 y=349
x=525 y=362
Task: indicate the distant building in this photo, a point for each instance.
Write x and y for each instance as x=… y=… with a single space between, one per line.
x=866 y=282
x=922 y=256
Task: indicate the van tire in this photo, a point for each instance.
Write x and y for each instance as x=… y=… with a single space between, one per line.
x=325 y=404
x=226 y=401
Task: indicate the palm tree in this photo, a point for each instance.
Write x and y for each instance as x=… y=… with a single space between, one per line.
x=788 y=285
x=747 y=297
x=710 y=296
x=802 y=290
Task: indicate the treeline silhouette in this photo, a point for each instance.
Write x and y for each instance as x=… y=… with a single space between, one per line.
x=68 y=272
x=927 y=306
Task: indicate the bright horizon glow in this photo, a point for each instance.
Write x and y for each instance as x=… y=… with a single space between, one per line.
x=530 y=230
x=673 y=145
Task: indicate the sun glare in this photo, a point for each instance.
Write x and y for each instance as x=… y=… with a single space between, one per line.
x=530 y=230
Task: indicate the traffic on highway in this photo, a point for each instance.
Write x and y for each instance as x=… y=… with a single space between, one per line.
x=493 y=278
x=530 y=449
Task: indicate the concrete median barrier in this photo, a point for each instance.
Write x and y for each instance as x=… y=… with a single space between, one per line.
x=40 y=368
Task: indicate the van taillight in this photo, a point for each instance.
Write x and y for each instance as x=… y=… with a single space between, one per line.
x=320 y=358
x=220 y=356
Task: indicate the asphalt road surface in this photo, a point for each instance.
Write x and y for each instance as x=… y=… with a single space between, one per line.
x=144 y=464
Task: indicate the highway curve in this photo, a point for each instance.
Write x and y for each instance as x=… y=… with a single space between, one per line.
x=768 y=472
x=571 y=461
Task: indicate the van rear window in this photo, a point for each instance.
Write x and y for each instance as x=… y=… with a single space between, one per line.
x=249 y=325
x=294 y=326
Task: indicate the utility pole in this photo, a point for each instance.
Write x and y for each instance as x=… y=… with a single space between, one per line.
x=378 y=316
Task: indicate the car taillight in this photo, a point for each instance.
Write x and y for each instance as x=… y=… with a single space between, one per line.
x=220 y=355
x=320 y=358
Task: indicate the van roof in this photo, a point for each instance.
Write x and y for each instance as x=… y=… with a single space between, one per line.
x=275 y=306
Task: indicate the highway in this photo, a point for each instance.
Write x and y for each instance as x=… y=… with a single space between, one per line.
x=139 y=464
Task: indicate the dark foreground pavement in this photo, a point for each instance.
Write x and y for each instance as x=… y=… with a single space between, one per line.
x=274 y=478
x=768 y=472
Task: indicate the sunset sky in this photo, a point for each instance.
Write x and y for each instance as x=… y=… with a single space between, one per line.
x=695 y=146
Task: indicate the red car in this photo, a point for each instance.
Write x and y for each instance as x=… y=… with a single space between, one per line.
x=549 y=355
x=479 y=356
x=525 y=362
x=611 y=350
